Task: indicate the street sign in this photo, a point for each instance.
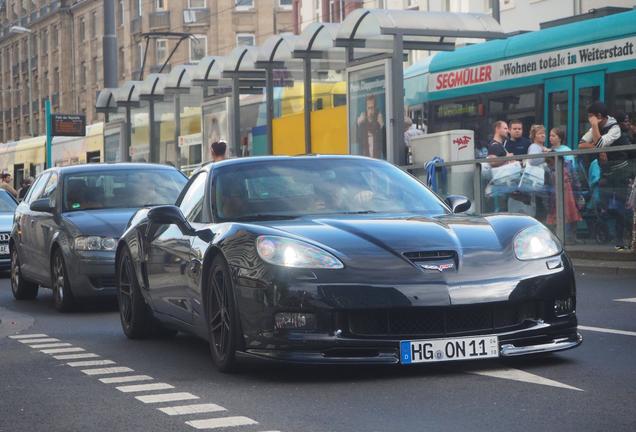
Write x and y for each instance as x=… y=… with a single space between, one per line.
x=68 y=125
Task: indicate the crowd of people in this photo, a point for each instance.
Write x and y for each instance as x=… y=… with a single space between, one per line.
x=598 y=188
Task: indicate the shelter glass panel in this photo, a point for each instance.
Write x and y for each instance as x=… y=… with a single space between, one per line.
x=367 y=111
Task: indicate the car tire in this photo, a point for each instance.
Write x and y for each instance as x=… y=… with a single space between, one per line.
x=63 y=298
x=135 y=315
x=21 y=288
x=222 y=316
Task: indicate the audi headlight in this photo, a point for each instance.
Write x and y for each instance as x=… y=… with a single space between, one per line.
x=536 y=242
x=94 y=243
x=287 y=252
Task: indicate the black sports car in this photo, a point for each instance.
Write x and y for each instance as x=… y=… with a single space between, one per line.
x=339 y=259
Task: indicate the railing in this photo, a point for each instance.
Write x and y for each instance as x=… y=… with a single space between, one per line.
x=578 y=194
x=159 y=19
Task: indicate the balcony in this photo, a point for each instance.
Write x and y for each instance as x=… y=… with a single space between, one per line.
x=194 y=17
x=135 y=25
x=159 y=19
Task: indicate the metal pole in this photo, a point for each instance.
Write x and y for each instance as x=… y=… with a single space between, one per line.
x=30 y=84
x=177 y=127
x=308 y=101
x=109 y=45
x=49 y=137
x=495 y=10
x=154 y=144
x=398 y=152
x=560 y=209
x=477 y=188
x=125 y=157
x=269 y=92
x=236 y=117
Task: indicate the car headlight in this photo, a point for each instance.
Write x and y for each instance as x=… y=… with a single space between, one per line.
x=94 y=243
x=287 y=252
x=536 y=242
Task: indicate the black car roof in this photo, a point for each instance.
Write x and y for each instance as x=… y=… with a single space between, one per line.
x=253 y=159
x=74 y=169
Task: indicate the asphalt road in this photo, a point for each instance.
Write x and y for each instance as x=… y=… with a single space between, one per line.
x=591 y=388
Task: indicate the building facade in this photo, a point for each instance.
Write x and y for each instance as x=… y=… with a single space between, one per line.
x=66 y=47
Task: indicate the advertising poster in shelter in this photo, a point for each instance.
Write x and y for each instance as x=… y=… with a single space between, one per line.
x=367 y=112
x=215 y=127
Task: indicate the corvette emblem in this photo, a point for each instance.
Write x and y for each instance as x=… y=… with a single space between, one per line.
x=438 y=267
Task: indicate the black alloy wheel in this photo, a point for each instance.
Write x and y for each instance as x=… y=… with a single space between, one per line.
x=20 y=287
x=223 y=329
x=135 y=315
x=63 y=298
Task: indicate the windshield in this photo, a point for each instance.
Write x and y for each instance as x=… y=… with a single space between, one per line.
x=132 y=188
x=299 y=187
x=7 y=204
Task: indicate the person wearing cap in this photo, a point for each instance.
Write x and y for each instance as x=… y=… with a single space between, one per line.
x=218 y=149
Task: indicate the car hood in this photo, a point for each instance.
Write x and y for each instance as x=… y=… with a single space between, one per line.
x=6 y=221
x=106 y=223
x=380 y=246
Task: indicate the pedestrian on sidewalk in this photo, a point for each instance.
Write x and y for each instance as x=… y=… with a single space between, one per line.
x=6 y=183
x=218 y=149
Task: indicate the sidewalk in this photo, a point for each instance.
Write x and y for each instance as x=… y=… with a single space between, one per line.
x=603 y=258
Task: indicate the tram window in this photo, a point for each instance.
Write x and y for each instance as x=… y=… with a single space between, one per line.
x=622 y=97
x=514 y=106
x=558 y=106
x=587 y=96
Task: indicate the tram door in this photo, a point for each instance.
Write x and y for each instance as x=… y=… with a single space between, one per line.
x=566 y=101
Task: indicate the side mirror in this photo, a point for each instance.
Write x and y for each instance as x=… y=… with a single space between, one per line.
x=458 y=203
x=170 y=215
x=42 y=205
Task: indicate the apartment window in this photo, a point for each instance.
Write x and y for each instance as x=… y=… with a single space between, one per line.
x=140 y=54
x=82 y=29
x=120 y=12
x=243 y=39
x=122 y=67
x=198 y=47
x=93 y=25
x=161 y=5
x=95 y=71
x=244 y=4
x=285 y=3
x=45 y=83
x=83 y=74
x=138 y=7
x=44 y=40
x=161 y=51
x=54 y=41
x=196 y=4
x=56 y=80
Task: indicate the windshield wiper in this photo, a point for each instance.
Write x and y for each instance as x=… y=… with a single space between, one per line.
x=263 y=216
x=359 y=212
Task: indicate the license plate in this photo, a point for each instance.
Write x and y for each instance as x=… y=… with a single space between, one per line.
x=4 y=249
x=438 y=350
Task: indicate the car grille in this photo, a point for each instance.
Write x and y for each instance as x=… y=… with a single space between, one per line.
x=103 y=281
x=442 y=321
x=423 y=256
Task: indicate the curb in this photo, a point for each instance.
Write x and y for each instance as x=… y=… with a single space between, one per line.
x=611 y=267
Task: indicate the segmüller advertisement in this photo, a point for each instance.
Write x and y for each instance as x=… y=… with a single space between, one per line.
x=551 y=61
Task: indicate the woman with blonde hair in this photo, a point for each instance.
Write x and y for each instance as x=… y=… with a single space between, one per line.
x=537 y=136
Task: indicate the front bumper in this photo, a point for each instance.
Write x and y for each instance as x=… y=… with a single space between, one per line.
x=539 y=338
x=5 y=263
x=92 y=274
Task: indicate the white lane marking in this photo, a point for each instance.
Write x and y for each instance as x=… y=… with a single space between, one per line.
x=166 y=397
x=222 y=422
x=28 y=336
x=191 y=409
x=144 y=387
x=630 y=300
x=62 y=350
x=50 y=345
x=75 y=356
x=125 y=379
x=91 y=363
x=606 y=330
x=523 y=376
x=39 y=340
x=106 y=371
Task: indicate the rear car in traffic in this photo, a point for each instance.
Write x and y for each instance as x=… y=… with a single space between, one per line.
x=65 y=231
x=7 y=208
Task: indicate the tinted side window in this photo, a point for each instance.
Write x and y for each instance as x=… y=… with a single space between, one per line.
x=191 y=202
x=51 y=186
x=36 y=188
